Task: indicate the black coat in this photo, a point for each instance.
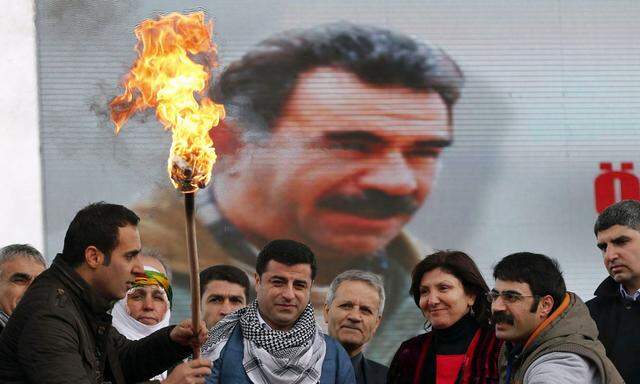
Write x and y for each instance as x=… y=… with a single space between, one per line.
x=618 y=322
x=374 y=373
x=61 y=333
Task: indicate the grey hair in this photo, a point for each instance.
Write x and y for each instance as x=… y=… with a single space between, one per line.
x=156 y=254
x=12 y=251
x=358 y=275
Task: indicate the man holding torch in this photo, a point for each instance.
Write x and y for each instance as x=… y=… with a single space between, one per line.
x=61 y=332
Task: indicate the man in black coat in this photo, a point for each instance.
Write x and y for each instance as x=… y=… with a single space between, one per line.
x=353 y=311
x=616 y=307
x=61 y=332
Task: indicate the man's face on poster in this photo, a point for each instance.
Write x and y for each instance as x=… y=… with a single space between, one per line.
x=347 y=164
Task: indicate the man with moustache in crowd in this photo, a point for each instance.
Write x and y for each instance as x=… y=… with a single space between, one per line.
x=61 y=331
x=20 y=264
x=353 y=311
x=549 y=335
x=332 y=138
x=616 y=307
x=223 y=290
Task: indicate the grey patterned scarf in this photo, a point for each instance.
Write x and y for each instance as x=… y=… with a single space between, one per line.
x=272 y=356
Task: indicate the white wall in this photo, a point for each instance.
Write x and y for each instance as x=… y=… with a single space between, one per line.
x=21 y=214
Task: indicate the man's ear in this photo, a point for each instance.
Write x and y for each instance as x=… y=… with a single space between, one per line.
x=325 y=313
x=256 y=279
x=546 y=306
x=93 y=257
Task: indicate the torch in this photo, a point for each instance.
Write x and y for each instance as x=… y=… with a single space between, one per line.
x=171 y=74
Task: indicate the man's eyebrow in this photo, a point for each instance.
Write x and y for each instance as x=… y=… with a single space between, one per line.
x=354 y=135
x=511 y=292
x=133 y=253
x=435 y=143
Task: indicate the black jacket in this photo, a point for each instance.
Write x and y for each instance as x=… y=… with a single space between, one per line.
x=618 y=322
x=368 y=371
x=61 y=333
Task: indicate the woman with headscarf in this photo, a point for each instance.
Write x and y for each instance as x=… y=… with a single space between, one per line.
x=147 y=306
x=460 y=345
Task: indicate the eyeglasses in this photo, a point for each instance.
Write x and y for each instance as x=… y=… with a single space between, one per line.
x=508 y=297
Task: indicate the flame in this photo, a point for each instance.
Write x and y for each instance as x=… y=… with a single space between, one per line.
x=165 y=77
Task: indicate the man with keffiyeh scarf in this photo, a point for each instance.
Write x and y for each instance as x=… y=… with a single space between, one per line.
x=276 y=338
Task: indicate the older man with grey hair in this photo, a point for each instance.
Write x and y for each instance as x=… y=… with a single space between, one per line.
x=20 y=264
x=352 y=311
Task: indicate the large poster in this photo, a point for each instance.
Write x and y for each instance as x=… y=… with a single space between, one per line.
x=523 y=129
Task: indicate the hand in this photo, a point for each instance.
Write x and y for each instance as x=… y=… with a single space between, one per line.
x=183 y=334
x=191 y=372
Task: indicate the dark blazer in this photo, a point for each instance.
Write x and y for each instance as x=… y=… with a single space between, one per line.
x=617 y=320
x=374 y=373
x=61 y=332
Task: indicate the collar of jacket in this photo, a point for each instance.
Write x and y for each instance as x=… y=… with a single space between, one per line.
x=608 y=287
x=547 y=322
x=76 y=284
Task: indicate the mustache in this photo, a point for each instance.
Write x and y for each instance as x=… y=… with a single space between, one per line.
x=501 y=317
x=373 y=204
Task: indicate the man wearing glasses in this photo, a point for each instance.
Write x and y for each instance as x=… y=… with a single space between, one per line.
x=550 y=337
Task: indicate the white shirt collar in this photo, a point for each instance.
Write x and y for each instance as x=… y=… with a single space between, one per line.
x=626 y=295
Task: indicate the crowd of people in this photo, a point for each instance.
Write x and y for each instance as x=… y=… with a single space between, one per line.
x=101 y=314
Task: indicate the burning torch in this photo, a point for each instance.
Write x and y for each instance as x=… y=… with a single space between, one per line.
x=166 y=76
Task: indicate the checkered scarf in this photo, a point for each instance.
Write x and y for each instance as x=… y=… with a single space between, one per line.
x=272 y=356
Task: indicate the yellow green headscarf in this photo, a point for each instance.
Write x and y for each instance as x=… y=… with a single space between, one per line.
x=155 y=278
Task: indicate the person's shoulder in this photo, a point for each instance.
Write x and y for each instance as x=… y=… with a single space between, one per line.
x=377 y=368
x=410 y=349
x=415 y=343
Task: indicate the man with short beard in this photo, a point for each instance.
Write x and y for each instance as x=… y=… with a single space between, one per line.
x=332 y=138
x=275 y=339
x=549 y=335
x=61 y=330
x=616 y=307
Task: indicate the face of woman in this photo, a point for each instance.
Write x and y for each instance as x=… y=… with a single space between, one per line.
x=147 y=304
x=442 y=298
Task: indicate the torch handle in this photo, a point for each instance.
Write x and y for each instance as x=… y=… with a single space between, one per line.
x=194 y=277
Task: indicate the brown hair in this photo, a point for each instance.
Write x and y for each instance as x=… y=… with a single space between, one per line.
x=460 y=265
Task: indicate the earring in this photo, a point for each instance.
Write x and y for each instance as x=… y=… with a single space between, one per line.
x=471 y=311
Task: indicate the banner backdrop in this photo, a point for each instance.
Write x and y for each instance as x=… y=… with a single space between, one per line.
x=543 y=136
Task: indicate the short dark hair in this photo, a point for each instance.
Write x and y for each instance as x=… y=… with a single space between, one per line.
x=288 y=252
x=625 y=212
x=224 y=273
x=541 y=272
x=255 y=88
x=96 y=225
x=460 y=265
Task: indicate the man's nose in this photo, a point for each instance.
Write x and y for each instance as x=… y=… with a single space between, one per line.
x=354 y=315
x=138 y=268
x=288 y=292
x=497 y=304
x=391 y=174
x=610 y=254
x=226 y=308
